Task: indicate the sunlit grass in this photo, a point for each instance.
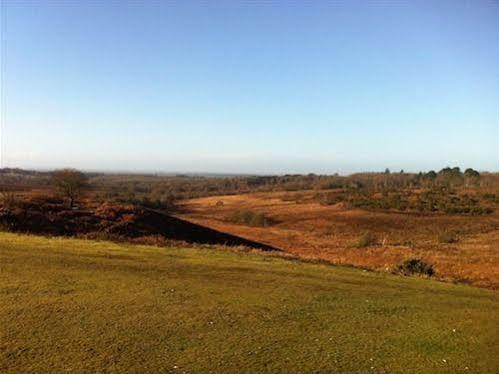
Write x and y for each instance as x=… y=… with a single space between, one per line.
x=86 y=306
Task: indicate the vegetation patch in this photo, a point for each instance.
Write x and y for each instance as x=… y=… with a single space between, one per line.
x=433 y=200
x=249 y=218
x=447 y=237
x=415 y=266
x=431 y=192
x=114 y=221
x=365 y=240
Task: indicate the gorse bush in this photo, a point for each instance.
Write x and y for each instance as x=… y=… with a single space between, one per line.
x=415 y=266
x=250 y=218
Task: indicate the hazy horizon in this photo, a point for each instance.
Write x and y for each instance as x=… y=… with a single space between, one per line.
x=250 y=87
x=215 y=174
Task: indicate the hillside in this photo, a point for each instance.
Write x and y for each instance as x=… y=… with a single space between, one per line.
x=48 y=215
x=76 y=305
x=461 y=248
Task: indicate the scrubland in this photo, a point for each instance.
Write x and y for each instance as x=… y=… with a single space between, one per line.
x=447 y=221
x=461 y=248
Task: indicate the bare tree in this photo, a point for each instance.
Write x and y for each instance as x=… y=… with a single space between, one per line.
x=70 y=183
x=8 y=199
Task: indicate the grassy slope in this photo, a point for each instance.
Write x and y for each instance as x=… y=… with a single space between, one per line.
x=98 y=306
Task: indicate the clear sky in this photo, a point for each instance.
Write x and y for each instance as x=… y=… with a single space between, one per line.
x=251 y=86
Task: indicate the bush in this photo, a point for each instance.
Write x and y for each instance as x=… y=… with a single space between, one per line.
x=250 y=218
x=492 y=197
x=415 y=266
x=330 y=199
x=364 y=241
x=8 y=200
x=167 y=203
x=447 y=237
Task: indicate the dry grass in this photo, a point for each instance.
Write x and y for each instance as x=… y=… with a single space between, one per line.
x=314 y=231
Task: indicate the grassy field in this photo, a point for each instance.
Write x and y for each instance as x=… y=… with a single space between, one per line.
x=87 y=306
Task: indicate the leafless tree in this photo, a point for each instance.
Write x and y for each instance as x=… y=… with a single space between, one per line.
x=8 y=199
x=70 y=183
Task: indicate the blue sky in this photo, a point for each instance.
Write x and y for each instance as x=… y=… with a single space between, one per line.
x=251 y=86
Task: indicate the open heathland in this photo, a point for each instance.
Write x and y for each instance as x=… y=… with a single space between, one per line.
x=461 y=248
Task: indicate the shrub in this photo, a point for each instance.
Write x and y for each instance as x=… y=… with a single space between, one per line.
x=491 y=197
x=365 y=240
x=250 y=218
x=8 y=200
x=415 y=266
x=166 y=203
x=447 y=237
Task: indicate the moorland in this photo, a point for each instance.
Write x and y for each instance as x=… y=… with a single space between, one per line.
x=308 y=273
x=445 y=223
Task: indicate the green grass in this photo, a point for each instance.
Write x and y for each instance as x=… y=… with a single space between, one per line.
x=87 y=306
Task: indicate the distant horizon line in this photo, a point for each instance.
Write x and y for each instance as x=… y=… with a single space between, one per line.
x=228 y=174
